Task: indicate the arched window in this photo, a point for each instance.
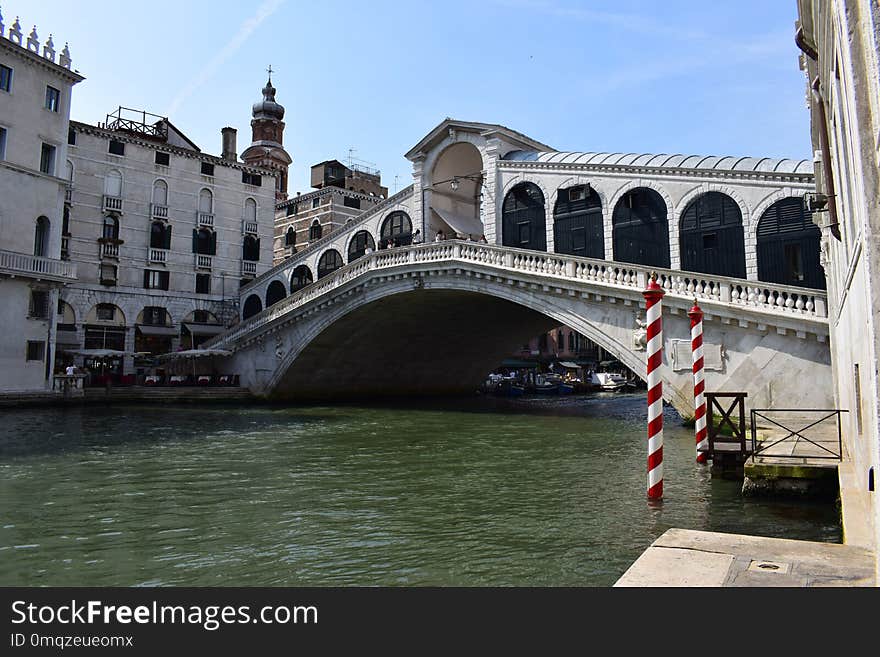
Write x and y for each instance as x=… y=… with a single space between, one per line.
x=110 y=228
x=789 y=245
x=160 y=236
x=523 y=218
x=359 y=244
x=577 y=223
x=250 y=249
x=290 y=237
x=113 y=184
x=300 y=277
x=252 y=306
x=315 y=230
x=250 y=209
x=160 y=193
x=41 y=237
x=69 y=172
x=711 y=236
x=640 y=229
x=397 y=227
x=206 y=201
x=275 y=293
x=204 y=241
x=330 y=261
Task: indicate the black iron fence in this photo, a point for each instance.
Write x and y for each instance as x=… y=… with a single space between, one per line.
x=815 y=438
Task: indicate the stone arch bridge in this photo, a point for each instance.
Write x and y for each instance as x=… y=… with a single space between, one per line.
x=435 y=318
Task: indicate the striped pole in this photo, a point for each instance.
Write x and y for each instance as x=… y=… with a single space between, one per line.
x=696 y=316
x=653 y=309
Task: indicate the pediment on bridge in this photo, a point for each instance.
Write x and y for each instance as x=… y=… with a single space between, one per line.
x=515 y=139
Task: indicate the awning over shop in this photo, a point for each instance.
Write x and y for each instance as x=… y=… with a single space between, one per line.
x=204 y=329
x=567 y=364
x=165 y=331
x=461 y=224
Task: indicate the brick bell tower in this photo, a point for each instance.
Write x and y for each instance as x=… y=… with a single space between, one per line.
x=267 y=149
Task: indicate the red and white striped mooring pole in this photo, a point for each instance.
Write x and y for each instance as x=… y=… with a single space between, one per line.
x=696 y=316
x=654 y=318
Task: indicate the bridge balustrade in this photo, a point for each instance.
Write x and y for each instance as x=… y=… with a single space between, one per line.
x=754 y=295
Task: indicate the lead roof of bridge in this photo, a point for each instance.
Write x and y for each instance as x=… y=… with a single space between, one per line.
x=666 y=161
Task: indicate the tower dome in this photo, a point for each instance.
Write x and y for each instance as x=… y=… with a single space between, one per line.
x=268 y=108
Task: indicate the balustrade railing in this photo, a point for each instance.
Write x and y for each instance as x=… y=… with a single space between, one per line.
x=205 y=219
x=159 y=256
x=159 y=211
x=112 y=203
x=249 y=227
x=203 y=261
x=763 y=297
x=248 y=268
x=109 y=250
x=36 y=266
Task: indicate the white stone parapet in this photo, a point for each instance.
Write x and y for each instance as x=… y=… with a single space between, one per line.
x=159 y=211
x=205 y=219
x=203 y=261
x=21 y=264
x=112 y=203
x=159 y=256
x=619 y=280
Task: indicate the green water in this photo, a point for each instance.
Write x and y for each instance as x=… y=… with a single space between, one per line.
x=531 y=492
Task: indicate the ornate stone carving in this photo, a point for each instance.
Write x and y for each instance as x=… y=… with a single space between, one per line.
x=640 y=335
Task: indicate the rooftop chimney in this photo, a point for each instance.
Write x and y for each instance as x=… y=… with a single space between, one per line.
x=229 y=146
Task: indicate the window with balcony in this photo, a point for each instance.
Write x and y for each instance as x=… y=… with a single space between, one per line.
x=41 y=237
x=160 y=236
x=113 y=184
x=206 y=202
x=250 y=249
x=204 y=241
x=47 y=159
x=156 y=280
x=39 y=304
x=203 y=283
x=160 y=193
x=5 y=78
x=116 y=147
x=110 y=228
x=36 y=350
x=207 y=169
x=163 y=159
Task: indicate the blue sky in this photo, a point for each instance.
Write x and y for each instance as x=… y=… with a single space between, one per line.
x=675 y=76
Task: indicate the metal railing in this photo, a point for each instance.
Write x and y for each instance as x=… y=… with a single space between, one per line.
x=814 y=440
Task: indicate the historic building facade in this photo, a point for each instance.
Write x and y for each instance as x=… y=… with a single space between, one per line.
x=35 y=95
x=840 y=42
x=162 y=235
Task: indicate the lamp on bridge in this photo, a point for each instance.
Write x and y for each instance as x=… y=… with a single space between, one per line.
x=454 y=184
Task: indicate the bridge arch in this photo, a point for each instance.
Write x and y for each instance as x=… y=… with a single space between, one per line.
x=330 y=261
x=300 y=277
x=789 y=244
x=455 y=190
x=640 y=225
x=711 y=236
x=578 y=223
x=396 y=225
x=252 y=306
x=358 y=245
x=524 y=217
x=275 y=292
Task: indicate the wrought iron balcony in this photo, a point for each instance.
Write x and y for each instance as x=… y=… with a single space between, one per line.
x=203 y=261
x=112 y=203
x=206 y=219
x=21 y=264
x=159 y=256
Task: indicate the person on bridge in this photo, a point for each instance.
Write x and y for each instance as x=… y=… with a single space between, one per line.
x=417 y=237
x=440 y=236
x=482 y=239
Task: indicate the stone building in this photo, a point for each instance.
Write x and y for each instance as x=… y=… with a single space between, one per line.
x=840 y=42
x=35 y=96
x=344 y=192
x=162 y=235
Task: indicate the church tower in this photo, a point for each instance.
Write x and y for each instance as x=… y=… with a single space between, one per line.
x=266 y=149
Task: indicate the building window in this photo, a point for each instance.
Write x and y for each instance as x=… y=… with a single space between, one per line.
x=207 y=169
x=202 y=317
x=41 y=237
x=251 y=179
x=315 y=230
x=105 y=312
x=290 y=237
x=163 y=158
x=316 y=202
x=160 y=193
x=36 y=350
x=108 y=274
x=291 y=209
x=204 y=242
x=110 y=228
x=53 y=99
x=155 y=280
x=47 y=159
x=203 y=283
x=250 y=249
x=39 y=305
x=116 y=147
x=250 y=210
x=351 y=202
x=206 y=201
x=2 y=143
x=5 y=78
x=71 y=137
x=155 y=316
x=160 y=236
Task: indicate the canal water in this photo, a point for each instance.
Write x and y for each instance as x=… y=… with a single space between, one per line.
x=475 y=492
